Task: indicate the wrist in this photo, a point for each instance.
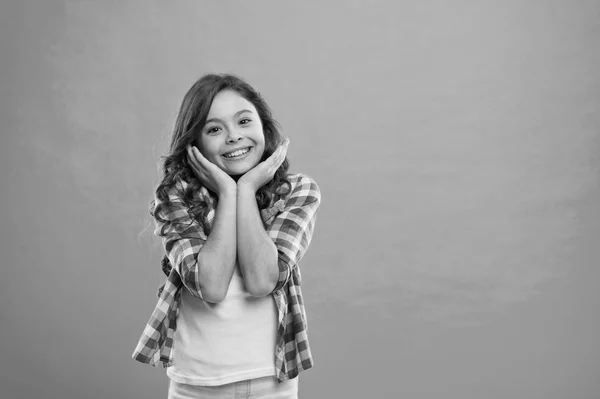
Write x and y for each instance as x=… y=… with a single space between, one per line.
x=228 y=190
x=245 y=187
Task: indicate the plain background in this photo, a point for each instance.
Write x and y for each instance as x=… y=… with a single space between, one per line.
x=456 y=144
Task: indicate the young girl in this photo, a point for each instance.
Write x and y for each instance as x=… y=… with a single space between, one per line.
x=230 y=319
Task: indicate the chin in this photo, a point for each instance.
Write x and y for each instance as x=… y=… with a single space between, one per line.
x=237 y=173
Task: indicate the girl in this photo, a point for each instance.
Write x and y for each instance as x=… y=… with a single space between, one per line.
x=230 y=318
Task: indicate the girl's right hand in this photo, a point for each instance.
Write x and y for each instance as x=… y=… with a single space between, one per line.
x=209 y=174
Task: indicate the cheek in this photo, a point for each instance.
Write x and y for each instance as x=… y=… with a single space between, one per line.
x=208 y=148
x=261 y=139
x=199 y=143
x=261 y=155
x=261 y=145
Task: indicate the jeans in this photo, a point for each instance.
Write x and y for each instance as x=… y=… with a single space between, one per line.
x=258 y=388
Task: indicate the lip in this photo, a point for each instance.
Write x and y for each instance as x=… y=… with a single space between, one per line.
x=240 y=156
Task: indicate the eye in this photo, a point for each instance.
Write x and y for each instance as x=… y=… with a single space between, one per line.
x=245 y=121
x=213 y=130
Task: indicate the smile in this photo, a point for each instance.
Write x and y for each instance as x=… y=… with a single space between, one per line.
x=237 y=153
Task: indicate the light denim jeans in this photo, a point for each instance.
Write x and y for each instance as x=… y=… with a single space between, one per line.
x=258 y=388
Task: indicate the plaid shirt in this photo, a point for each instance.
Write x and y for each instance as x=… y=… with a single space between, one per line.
x=290 y=223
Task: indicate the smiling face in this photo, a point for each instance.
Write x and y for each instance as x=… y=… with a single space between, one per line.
x=232 y=137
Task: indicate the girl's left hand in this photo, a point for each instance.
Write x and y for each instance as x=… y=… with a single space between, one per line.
x=262 y=173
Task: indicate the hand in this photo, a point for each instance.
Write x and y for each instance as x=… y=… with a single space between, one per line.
x=209 y=174
x=262 y=173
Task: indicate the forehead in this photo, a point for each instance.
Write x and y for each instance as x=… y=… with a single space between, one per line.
x=227 y=103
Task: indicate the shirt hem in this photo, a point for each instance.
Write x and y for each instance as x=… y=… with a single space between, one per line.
x=215 y=381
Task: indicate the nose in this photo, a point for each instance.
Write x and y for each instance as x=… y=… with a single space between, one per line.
x=234 y=136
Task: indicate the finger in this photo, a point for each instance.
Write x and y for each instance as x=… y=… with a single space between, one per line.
x=190 y=153
x=284 y=147
x=283 y=151
x=192 y=159
x=278 y=159
x=202 y=163
x=199 y=169
x=198 y=156
x=273 y=162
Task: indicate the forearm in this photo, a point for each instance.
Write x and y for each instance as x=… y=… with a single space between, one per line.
x=217 y=258
x=256 y=252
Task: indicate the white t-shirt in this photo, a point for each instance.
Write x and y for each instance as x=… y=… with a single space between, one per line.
x=220 y=343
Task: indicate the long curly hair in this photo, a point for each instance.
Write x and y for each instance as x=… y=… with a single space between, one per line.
x=189 y=122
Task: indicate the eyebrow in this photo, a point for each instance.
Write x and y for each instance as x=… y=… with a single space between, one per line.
x=234 y=115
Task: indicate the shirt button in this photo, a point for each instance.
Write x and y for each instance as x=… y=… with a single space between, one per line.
x=278 y=292
x=279 y=349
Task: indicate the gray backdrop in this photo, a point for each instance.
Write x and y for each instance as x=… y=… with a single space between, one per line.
x=456 y=144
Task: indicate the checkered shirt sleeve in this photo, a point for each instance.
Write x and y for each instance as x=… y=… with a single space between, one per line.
x=183 y=239
x=291 y=231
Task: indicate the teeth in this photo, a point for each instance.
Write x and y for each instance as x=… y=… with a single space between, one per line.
x=237 y=153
